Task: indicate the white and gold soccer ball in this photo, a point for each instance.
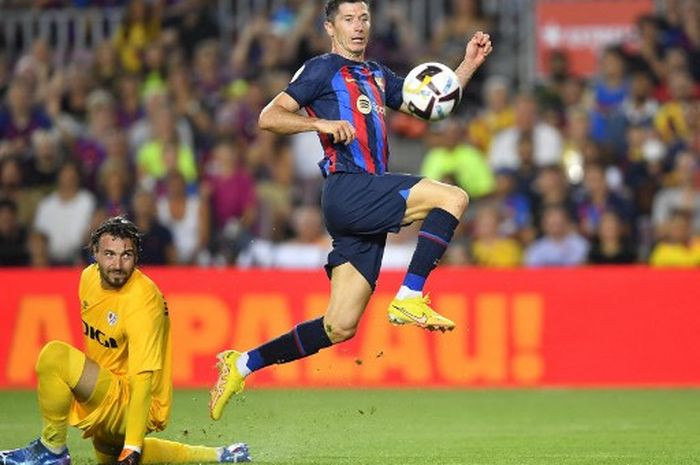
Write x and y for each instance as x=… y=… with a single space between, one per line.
x=431 y=91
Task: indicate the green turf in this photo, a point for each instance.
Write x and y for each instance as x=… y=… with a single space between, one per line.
x=405 y=427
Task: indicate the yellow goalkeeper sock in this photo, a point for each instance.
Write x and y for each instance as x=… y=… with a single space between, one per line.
x=58 y=370
x=161 y=451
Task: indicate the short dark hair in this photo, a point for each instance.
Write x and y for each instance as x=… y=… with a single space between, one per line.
x=116 y=226
x=333 y=5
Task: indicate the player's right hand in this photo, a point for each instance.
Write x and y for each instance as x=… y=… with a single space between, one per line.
x=129 y=457
x=342 y=131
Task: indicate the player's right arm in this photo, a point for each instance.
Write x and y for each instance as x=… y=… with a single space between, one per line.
x=281 y=117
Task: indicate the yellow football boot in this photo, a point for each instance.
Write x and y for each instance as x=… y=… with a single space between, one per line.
x=230 y=382
x=417 y=311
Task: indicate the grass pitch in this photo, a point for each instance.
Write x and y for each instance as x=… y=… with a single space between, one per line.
x=405 y=427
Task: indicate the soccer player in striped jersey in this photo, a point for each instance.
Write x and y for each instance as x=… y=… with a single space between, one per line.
x=120 y=388
x=345 y=97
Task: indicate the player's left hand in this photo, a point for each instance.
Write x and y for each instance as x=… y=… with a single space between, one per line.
x=129 y=457
x=478 y=48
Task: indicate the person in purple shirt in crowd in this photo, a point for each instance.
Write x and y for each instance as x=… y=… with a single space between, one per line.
x=230 y=189
x=19 y=119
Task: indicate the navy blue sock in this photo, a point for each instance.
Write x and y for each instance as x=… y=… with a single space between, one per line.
x=433 y=238
x=303 y=340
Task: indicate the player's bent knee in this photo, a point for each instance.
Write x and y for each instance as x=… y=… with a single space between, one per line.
x=338 y=332
x=459 y=200
x=52 y=355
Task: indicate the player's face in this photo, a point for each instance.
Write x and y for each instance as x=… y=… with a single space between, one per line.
x=116 y=258
x=349 y=30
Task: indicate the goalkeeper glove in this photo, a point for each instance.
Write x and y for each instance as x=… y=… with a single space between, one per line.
x=129 y=457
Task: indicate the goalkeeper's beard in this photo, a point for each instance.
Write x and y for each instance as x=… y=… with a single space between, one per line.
x=114 y=278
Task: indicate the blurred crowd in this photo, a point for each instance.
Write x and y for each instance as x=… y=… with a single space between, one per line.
x=160 y=124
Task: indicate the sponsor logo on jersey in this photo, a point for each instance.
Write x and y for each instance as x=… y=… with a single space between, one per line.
x=111 y=318
x=99 y=336
x=364 y=105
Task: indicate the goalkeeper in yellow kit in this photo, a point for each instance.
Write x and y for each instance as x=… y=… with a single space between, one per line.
x=120 y=389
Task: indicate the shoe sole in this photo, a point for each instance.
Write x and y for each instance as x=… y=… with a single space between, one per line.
x=430 y=327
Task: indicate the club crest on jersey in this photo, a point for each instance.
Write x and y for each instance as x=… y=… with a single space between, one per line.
x=112 y=318
x=380 y=82
x=364 y=105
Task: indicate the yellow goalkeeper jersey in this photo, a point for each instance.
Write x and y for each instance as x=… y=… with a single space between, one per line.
x=127 y=331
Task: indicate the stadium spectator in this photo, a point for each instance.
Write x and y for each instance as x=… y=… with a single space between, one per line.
x=140 y=26
x=188 y=107
x=157 y=243
x=186 y=215
x=231 y=188
x=456 y=161
x=143 y=130
x=277 y=192
x=64 y=216
x=12 y=187
x=551 y=189
x=38 y=247
x=671 y=120
x=19 y=118
x=13 y=236
x=497 y=114
x=192 y=23
x=129 y=108
x=165 y=152
x=114 y=187
x=464 y=18
x=560 y=245
x=306 y=153
x=610 y=90
x=514 y=206
x=576 y=139
x=490 y=247
x=611 y=245
x=683 y=194
x=678 y=247
x=41 y=169
x=106 y=69
x=89 y=148
x=596 y=197
x=640 y=107
x=546 y=139
x=306 y=249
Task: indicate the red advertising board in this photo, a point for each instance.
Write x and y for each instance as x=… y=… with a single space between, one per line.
x=550 y=327
x=582 y=28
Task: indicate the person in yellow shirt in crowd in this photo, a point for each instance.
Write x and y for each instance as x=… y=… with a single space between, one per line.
x=679 y=248
x=491 y=248
x=120 y=388
x=457 y=162
x=498 y=114
x=140 y=27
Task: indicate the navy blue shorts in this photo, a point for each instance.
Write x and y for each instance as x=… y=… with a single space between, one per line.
x=359 y=210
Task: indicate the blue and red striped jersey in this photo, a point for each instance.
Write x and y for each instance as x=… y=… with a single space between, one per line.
x=334 y=88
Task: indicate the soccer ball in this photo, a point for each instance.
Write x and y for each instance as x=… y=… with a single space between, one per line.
x=431 y=91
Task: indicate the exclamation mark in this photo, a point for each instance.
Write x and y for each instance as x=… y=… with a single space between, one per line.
x=528 y=364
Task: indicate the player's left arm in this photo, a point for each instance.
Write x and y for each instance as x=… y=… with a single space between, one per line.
x=145 y=327
x=140 y=387
x=478 y=48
